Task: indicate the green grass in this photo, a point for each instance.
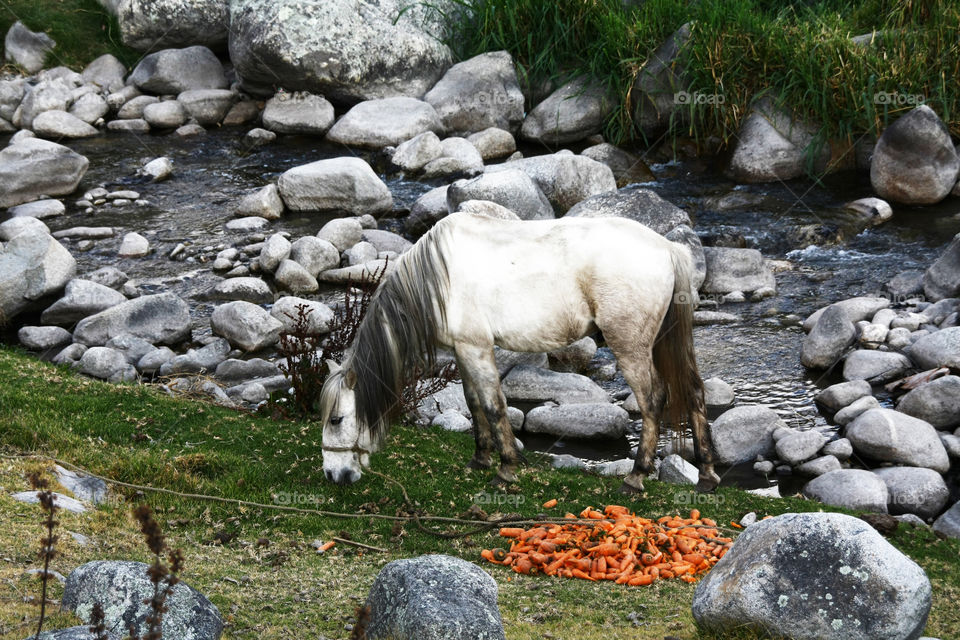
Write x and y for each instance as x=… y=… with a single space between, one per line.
x=138 y=435
x=798 y=52
x=82 y=29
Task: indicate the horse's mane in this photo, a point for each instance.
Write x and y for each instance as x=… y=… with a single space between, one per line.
x=398 y=334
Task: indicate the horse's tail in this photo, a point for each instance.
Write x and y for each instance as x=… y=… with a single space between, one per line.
x=675 y=360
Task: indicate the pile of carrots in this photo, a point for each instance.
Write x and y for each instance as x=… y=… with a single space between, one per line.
x=619 y=546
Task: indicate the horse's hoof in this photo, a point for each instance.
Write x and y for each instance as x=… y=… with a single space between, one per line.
x=708 y=484
x=477 y=464
x=630 y=490
x=500 y=481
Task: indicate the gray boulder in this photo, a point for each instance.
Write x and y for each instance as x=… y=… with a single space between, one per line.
x=573 y=112
x=819 y=466
x=134 y=108
x=107 y=72
x=828 y=340
x=234 y=370
x=452 y=421
x=338 y=184
x=937 y=402
x=248 y=289
x=840 y=395
x=245 y=325
x=429 y=208
x=839 y=448
x=890 y=436
x=39 y=209
x=207 y=106
x=43 y=338
x=157 y=169
x=318 y=316
x=33 y=168
x=434 y=597
x=674 y=469
x=876 y=367
x=275 y=250
x=493 y=143
x=375 y=124
x=46 y=95
x=448 y=399
x=915 y=161
x=203 y=360
x=106 y=364
x=168 y=114
x=479 y=93
x=850 y=413
x=634 y=203
x=29 y=49
x=514 y=190
x=628 y=168
x=335 y=48
x=147 y=25
x=290 y=276
x=526 y=383
x=58 y=124
x=457 y=156
x=386 y=241
x=798 y=447
x=89 y=108
x=314 y=254
x=850 y=489
x=300 y=113
x=26 y=224
x=265 y=202
x=657 y=86
x=731 y=269
x=32 y=267
x=11 y=95
x=949 y=523
x=417 y=152
x=579 y=420
x=856 y=309
x=914 y=490
x=718 y=394
x=942 y=279
x=788 y=576
x=133 y=245
x=743 y=433
x=81 y=298
x=163 y=318
x=173 y=71
x=342 y=233
x=938 y=349
x=124 y=588
x=564 y=178
x=132 y=347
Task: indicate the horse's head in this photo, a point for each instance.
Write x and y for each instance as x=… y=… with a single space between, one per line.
x=346 y=443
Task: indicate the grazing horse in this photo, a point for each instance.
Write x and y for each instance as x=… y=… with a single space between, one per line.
x=473 y=282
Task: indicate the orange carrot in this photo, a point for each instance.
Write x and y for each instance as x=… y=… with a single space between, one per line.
x=550 y=504
x=326 y=546
x=511 y=532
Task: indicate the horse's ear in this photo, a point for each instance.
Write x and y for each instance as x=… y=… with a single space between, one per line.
x=332 y=366
x=350 y=378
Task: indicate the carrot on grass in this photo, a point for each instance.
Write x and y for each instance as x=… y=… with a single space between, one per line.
x=550 y=504
x=326 y=546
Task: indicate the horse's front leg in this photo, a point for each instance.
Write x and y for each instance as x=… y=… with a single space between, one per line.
x=479 y=371
x=483 y=454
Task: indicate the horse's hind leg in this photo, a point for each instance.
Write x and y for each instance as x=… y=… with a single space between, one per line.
x=703 y=448
x=648 y=389
x=483 y=455
x=479 y=369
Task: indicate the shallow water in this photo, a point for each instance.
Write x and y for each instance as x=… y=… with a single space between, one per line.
x=759 y=355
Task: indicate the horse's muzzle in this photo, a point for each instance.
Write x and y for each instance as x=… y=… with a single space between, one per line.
x=342 y=476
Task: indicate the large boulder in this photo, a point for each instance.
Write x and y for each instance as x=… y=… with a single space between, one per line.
x=942 y=279
x=564 y=178
x=828 y=340
x=876 y=367
x=123 y=590
x=850 y=489
x=302 y=113
x=791 y=576
x=743 y=433
x=32 y=168
x=338 y=184
x=938 y=349
x=732 y=269
x=628 y=168
x=163 y=318
x=914 y=161
x=843 y=394
x=375 y=124
x=33 y=266
x=949 y=523
x=658 y=84
x=81 y=298
x=58 y=124
x=914 y=490
x=107 y=72
x=937 y=402
x=29 y=49
x=173 y=71
x=479 y=93
x=636 y=203
x=525 y=383
x=46 y=95
x=207 y=106
x=573 y=112
x=147 y=25
x=890 y=436
x=579 y=420
x=514 y=190
x=245 y=325
x=345 y=51
x=856 y=309
x=434 y=597
x=417 y=152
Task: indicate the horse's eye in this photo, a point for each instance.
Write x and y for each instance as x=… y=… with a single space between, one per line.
x=336 y=421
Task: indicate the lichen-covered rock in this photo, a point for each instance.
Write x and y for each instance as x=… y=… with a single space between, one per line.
x=434 y=597
x=163 y=318
x=173 y=71
x=32 y=168
x=579 y=420
x=890 y=436
x=525 y=383
x=794 y=575
x=564 y=178
x=32 y=267
x=147 y=25
x=375 y=124
x=122 y=589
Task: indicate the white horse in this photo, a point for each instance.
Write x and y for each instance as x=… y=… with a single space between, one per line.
x=473 y=282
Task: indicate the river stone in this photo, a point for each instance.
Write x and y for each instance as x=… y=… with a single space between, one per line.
x=275 y=250
x=657 y=85
x=717 y=394
x=39 y=209
x=152 y=361
x=264 y=202
x=85 y=233
x=942 y=279
x=856 y=309
x=133 y=245
x=514 y=190
x=914 y=490
x=838 y=396
x=355 y=273
x=915 y=161
x=564 y=178
x=890 y=436
x=948 y=524
x=207 y=106
x=234 y=370
x=335 y=48
x=429 y=209
x=342 y=233
x=203 y=360
x=168 y=114
x=134 y=108
x=34 y=167
x=102 y=362
x=627 y=168
x=850 y=413
x=819 y=466
x=89 y=108
x=25 y=224
x=29 y=49
x=493 y=143
x=773 y=146
x=133 y=125
x=635 y=203
x=242 y=112
x=937 y=402
x=11 y=95
x=290 y=276
x=376 y=124
x=789 y=576
x=314 y=254
x=62 y=501
x=457 y=156
x=579 y=420
x=876 y=367
x=434 y=597
x=939 y=349
x=415 y=153
x=300 y=113
x=132 y=347
x=61 y=124
x=730 y=269
x=573 y=112
x=573 y=358
x=46 y=95
x=386 y=241
x=360 y=253
x=825 y=344
x=32 y=267
x=449 y=398
x=107 y=72
x=123 y=589
x=147 y=25
x=338 y=184
x=248 y=289
x=839 y=448
x=849 y=488
x=525 y=383
x=452 y=421
x=245 y=325
x=676 y=470
x=158 y=169
x=163 y=318
x=743 y=433
x=247 y=224
x=173 y=71
x=108 y=276
x=43 y=338
x=798 y=447
x=318 y=319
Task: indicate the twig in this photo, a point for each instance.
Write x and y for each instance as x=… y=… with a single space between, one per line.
x=354 y=543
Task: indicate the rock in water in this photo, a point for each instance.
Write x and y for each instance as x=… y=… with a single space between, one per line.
x=32 y=267
x=829 y=338
x=173 y=71
x=514 y=190
x=792 y=576
x=338 y=184
x=730 y=269
x=375 y=124
x=32 y=168
x=743 y=433
x=124 y=588
x=564 y=178
x=434 y=597
x=942 y=279
x=479 y=93
x=914 y=161
x=301 y=113
x=345 y=51
x=579 y=421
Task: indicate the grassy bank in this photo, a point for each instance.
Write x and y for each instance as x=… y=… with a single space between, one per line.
x=278 y=586
x=798 y=51
x=82 y=29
